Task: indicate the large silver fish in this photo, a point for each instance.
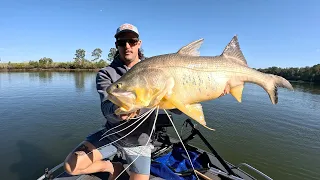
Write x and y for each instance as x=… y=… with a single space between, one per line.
x=184 y=79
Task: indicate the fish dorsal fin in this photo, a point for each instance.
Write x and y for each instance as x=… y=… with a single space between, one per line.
x=233 y=51
x=191 y=49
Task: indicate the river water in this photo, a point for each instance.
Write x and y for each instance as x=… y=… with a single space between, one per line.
x=44 y=115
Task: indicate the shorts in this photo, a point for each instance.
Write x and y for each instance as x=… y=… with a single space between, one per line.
x=141 y=164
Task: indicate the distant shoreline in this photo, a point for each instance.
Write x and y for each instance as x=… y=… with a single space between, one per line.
x=304 y=74
x=46 y=65
x=48 y=69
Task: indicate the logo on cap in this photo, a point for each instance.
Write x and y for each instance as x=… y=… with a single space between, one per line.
x=126 y=26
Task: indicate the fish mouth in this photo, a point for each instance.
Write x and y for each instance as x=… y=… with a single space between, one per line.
x=124 y=99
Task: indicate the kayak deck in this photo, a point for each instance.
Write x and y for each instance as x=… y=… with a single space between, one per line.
x=213 y=173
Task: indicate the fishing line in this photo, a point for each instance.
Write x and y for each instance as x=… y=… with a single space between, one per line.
x=128 y=133
x=140 y=117
x=152 y=130
x=104 y=134
x=181 y=143
x=123 y=136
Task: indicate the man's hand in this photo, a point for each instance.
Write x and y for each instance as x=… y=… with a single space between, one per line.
x=129 y=116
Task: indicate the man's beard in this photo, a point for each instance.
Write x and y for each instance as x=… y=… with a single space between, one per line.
x=130 y=59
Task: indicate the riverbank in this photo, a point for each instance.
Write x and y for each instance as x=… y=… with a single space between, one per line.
x=51 y=70
x=53 y=66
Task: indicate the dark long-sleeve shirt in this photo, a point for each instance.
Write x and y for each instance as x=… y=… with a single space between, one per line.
x=105 y=77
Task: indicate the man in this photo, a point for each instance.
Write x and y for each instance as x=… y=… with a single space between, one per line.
x=79 y=161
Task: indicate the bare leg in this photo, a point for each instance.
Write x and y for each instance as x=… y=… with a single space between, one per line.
x=80 y=162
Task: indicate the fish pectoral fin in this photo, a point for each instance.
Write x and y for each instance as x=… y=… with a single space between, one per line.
x=192 y=110
x=143 y=96
x=166 y=91
x=236 y=92
x=157 y=98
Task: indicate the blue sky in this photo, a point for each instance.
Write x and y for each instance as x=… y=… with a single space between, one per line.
x=282 y=33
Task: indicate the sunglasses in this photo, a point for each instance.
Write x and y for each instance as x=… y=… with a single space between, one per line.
x=123 y=42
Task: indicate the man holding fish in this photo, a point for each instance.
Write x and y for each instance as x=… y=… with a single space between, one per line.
x=180 y=80
x=88 y=156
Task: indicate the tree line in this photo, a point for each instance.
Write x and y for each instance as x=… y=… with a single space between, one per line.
x=80 y=61
x=307 y=74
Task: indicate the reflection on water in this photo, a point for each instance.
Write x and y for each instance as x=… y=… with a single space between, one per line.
x=45 y=76
x=79 y=78
x=42 y=76
x=306 y=87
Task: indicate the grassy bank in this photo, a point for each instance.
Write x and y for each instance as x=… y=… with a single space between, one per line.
x=54 y=66
x=52 y=70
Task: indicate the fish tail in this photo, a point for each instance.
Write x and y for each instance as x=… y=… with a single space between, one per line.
x=271 y=86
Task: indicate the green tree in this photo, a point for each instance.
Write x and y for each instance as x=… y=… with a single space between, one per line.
x=45 y=62
x=111 y=54
x=101 y=63
x=80 y=55
x=96 y=53
x=34 y=64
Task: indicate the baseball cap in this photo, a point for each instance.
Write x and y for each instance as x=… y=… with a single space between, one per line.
x=126 y=28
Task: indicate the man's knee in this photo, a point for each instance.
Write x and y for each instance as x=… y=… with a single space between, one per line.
x=69 y=170
x=79 y=159
x=71 y=164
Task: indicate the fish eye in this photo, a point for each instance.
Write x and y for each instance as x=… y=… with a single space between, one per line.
x=119 y=85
